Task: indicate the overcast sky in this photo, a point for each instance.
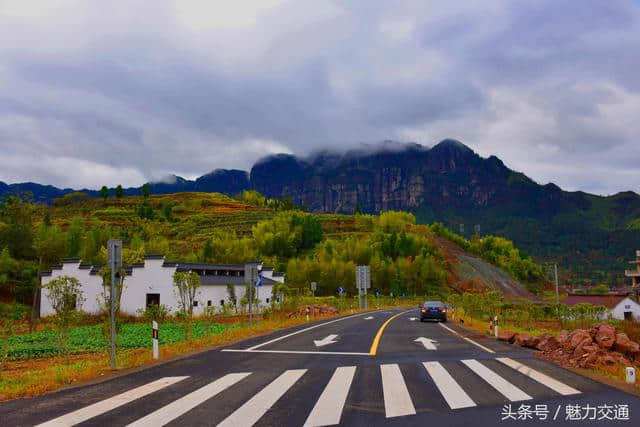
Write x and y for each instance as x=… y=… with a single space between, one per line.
x=110 y=92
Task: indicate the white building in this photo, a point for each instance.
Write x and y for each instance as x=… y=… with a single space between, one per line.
x=151 y=282
x=619 y=307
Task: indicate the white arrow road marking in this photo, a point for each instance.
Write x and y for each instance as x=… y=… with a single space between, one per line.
x=329 y=339
x=413 y=319
x=368 y=318
x=428 y=343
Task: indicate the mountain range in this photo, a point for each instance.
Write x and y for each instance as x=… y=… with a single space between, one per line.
x=589 y=235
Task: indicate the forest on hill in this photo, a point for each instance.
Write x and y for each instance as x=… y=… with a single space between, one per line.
x=211 y=227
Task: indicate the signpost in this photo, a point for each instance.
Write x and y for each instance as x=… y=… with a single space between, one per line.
x=363 y=282
x=251 y=270
x=258 y=286
x=115 y=263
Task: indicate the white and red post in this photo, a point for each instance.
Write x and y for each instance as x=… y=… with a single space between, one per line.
x=155 y=339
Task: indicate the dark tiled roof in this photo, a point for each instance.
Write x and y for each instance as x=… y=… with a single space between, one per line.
x=609 y=301
x=70 y=260
x=85 y=266
x=278 y=274
x=201 y=266
x=169 y=264
x=137 y=265
x=154 y=256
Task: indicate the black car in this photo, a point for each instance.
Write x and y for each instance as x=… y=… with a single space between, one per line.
x=434 y=310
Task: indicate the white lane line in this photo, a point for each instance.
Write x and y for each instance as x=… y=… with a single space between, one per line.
x=503 y=386
x=451 y=391
x=338 y=353
x=170 y=412
x=328 y=408
x=488 y=350
x=249 y=413
x=304 y=330
x=397 y=401
x=543 y=379
x=99 y=408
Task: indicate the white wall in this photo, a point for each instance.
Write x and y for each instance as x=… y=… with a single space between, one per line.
x=91 y=288
x=618 y=311
x=216 y=293
x=153 y=278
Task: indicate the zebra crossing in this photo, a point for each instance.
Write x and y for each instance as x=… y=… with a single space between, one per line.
x=330 y=405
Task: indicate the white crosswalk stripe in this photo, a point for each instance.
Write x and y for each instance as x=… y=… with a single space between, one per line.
x=249 y=413
x=451 y=391
x=503 y=386
x=166 y=414
x=99 y=408
x=330 y=405
x=397 y=401
x=543 y=379
x=328 y=408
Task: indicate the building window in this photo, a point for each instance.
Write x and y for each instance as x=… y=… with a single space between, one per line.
x=195 y=303
x=267 y=300
x=221 y=303
x=209 y=303
x=153 y=299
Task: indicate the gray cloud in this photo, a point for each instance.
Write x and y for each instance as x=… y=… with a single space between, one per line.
x=91 y=95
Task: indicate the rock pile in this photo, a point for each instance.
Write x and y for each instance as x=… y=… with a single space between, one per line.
x=600 y=345
x=319 y=309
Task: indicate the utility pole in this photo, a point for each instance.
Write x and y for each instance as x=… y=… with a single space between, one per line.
x=115 y=262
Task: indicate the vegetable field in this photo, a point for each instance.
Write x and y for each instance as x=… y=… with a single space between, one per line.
x=84 y=339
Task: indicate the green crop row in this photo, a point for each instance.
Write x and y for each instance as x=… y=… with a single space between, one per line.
x=84 y=339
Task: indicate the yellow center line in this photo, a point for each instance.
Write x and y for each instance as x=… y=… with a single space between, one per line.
x=376 y=340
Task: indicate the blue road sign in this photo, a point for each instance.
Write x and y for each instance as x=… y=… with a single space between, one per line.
x=259 y=282
x=340 y=290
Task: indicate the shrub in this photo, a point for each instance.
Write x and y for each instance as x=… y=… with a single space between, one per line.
x=155 y=312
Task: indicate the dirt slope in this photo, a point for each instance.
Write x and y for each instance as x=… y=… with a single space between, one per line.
x=468 y=272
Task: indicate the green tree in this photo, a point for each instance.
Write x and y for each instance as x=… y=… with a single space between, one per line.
x=186 y=287
x=119 y=191
x=145 y=191
x=66 y=298
x=207 y=251
x=233 y=299
x=104 y=192
x=253 y=198
x=49 y=246
x=167 y=211
x=75 y=234
x=17 y=232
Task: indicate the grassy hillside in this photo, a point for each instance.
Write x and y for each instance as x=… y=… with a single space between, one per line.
x=208 y=227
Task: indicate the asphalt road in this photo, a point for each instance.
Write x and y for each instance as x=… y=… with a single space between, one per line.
x=344 y=371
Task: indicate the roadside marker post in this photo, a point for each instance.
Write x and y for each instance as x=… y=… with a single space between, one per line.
x=314 y=286
x=155 y=339
x=631 y=375
x=495 y=325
